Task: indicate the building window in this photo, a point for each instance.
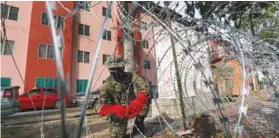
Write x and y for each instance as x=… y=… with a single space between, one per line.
x=81 y=85
x=4 y=10
x=13 y=13
x=145 y=44
x=9 y=12
x=46 y=51
x=104 y=10
x=146 y=64
x=44 y=19
x=84 y=29
x=83 y=56
x=46 y=83
x=5 y=82
x=7 y=47
x=105 y=58
x=107 y=35
x=84 y=5
x=59 y=21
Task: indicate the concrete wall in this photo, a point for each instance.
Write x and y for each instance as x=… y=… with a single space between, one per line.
x=195 y=90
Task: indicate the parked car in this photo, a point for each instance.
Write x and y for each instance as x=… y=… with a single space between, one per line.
x=42 y=98
x=9 y=103
x=93 y=99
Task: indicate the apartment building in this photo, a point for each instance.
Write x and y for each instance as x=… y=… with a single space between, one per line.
x=30 y=63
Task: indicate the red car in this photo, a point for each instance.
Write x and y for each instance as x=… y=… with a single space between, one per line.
x=42 y=97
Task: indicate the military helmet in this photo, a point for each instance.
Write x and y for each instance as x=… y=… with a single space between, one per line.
x=115 y=61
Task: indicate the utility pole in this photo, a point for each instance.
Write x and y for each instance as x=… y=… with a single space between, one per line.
x=178 y=82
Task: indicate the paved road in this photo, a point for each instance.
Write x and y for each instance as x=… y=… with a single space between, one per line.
x=45 y=115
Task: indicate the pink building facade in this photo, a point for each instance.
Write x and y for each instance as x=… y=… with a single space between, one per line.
x=13 y=65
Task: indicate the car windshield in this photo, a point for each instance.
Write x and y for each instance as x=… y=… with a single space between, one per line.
x=35 y=92
x=32 y=92
x=25 y=94
x=49 y=91
x=10 y=92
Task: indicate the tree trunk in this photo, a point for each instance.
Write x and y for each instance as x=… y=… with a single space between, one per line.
x=180 y=92
x=129 y=54
x=129 y=48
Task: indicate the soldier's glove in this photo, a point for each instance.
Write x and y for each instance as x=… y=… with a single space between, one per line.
x=117 y=109
x=137 y=105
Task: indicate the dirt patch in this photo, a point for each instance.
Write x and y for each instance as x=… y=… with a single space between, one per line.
x=52 y=129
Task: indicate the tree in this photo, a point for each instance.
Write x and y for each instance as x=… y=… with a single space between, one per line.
x=242 y=14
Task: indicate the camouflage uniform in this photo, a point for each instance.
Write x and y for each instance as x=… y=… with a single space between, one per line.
x=121 y=91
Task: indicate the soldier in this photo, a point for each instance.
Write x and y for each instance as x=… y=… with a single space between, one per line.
x=119 y=101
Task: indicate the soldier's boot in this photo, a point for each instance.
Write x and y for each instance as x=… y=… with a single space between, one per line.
x=140 y=129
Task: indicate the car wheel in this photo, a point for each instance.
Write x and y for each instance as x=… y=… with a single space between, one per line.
x=92 y=106
x=57 y=104
x=78 y=104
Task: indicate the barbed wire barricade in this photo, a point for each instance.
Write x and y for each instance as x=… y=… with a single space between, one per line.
x=214 y=59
